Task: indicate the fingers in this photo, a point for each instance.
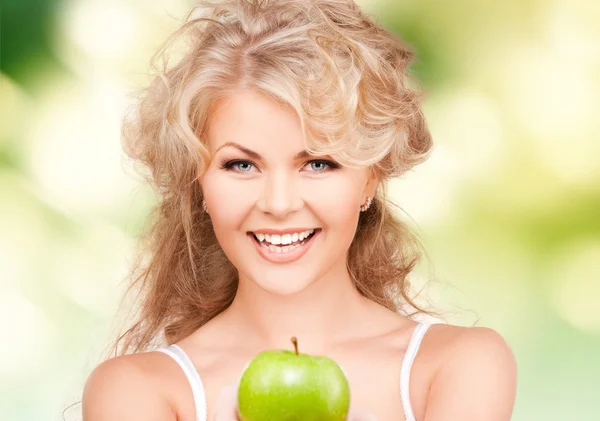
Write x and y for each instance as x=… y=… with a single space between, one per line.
x=226 y=409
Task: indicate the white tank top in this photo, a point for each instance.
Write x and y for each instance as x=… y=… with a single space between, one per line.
x=195 y=381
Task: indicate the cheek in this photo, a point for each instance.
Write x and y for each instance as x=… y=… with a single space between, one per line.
x=336 y=205
x=227 y=202
x=334 y=200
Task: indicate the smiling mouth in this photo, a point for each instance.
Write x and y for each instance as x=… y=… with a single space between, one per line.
x=283 y=248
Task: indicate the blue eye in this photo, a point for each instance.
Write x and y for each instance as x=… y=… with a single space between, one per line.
x=324 y=163
x=241 y=165
x=238 y=164
x=245 y=166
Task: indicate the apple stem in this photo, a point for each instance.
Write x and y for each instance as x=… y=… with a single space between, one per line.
x=295 y=342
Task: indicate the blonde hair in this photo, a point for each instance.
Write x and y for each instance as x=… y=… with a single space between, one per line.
x=346 y=78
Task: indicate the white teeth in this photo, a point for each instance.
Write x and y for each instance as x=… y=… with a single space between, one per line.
x=286 y=239
x=275 y=239
x=278 y=250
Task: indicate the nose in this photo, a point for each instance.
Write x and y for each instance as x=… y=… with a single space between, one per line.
x=280 y=196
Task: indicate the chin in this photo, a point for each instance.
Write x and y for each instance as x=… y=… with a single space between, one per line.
x=285 y=285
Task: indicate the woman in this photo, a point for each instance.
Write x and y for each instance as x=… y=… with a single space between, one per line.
x=270 y=142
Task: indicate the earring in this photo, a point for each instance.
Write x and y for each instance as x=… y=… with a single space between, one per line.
x=367 y=204
x=204 y=205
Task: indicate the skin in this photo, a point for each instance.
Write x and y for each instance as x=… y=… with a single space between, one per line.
x=459 y=373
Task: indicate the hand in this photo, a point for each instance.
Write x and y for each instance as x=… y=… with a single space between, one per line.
x=227 y=407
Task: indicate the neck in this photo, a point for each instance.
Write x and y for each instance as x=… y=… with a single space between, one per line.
x=318 y=315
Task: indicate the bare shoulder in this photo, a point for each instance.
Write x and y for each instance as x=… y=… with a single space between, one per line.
x=127 y=387
x=476 y=375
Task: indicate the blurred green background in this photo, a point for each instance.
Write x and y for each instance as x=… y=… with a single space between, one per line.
x=508 y=205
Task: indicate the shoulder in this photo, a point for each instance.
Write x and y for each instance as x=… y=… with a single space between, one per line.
x=476 y=375
x=127 y=387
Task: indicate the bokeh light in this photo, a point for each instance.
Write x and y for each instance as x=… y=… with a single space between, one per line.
x=508 y=205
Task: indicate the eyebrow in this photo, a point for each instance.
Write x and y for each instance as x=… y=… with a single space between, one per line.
x=256 y=155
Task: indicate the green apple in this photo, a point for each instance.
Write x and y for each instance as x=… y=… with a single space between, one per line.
x=281 y=385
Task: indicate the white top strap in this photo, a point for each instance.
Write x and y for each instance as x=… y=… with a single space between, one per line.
x=409 y=357
x=193 y=377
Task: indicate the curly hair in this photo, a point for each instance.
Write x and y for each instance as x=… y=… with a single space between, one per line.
x=346 y=78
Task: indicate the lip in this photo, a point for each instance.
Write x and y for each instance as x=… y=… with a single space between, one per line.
x=275 y=257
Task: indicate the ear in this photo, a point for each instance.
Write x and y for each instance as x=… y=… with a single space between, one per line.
x=372 y=184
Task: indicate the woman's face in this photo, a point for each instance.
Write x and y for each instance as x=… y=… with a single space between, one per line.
x=260 y=182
